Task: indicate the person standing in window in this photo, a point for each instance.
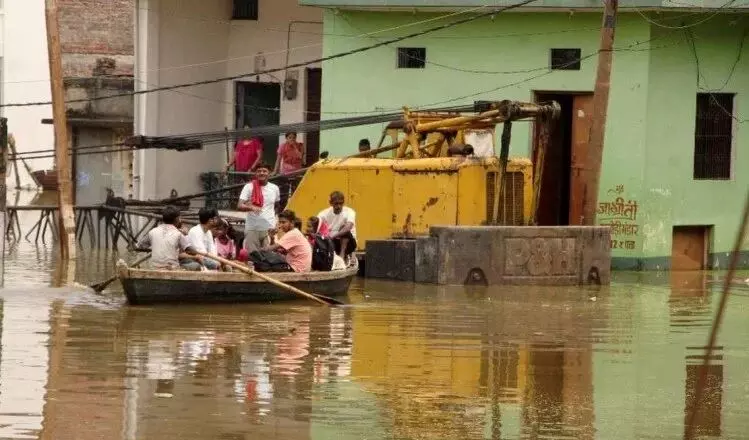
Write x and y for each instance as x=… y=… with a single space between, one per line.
x=290 y=155
x=248 y=153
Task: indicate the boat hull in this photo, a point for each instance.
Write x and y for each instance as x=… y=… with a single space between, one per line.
x=143 y=287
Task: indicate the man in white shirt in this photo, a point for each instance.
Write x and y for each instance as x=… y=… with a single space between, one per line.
x=170 y=249
x=261 y=200
x=341 y=222
x=201 y=237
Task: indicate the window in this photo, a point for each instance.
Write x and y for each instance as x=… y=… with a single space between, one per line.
x=713 y=136
x=412 y=57
x=565 y=59
x=245 y=10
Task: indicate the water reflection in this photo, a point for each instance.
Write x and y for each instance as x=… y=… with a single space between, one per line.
x=404 y=361
x=23 y=367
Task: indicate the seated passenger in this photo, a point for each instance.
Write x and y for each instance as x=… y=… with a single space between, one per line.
x=313 y=224
x=342 y=223
x=315 y=227
x=201 y=238
x=168 y=244
x=225 y=246
x=292 y=244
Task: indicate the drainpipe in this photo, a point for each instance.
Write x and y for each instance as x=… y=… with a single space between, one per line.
x=288 y=39
x=288 y=51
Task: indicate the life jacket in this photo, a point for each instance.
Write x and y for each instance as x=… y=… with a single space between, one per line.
x=323 y=251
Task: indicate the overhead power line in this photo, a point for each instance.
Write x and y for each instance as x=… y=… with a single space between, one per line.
x=290 y=66
x=369 y=118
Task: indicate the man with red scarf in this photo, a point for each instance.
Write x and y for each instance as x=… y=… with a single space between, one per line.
x=261 y=200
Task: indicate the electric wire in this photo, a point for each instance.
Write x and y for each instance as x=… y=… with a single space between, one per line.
x=394 y=114
x=279 y=69
x=712 y=15
x=701 y=79
x=452 y=37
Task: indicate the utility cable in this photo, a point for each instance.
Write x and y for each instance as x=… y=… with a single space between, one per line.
x=701 y=79
x=690 y=25
x=452 y=37
x=291 y=66
x=287 y=50
x=386 y=115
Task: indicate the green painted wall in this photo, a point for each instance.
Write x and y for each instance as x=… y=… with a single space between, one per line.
x=650 y=129
x=672 y=196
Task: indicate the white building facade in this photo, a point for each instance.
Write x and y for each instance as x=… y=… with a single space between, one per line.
x=24 y=75
x=184 y=41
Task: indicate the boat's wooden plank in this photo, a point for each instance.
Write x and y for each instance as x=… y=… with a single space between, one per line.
x=219 y=277
x=148 y=286
x=150 y=291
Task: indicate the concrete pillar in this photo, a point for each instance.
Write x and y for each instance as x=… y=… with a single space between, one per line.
x=147 y=28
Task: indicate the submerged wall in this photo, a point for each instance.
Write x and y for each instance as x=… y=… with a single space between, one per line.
x=496 y=255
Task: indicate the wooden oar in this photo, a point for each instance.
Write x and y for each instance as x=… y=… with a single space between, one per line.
x=98 y=288
x=275 y=282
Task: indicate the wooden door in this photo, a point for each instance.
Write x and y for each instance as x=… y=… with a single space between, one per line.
x=314 y=97
x=689 y=248
x=582 y=113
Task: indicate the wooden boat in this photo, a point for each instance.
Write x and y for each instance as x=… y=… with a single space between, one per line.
x=150 y=286
x=47 y=179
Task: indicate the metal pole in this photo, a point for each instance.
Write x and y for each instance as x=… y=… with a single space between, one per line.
x=66 y=215
x=3 y=189
x=691 y=419
x=592 y=169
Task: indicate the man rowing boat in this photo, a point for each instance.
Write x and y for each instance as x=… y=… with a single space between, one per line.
x=170 y=248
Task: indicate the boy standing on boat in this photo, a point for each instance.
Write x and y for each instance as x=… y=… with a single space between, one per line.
x=201 y=237
x=341 y=221
x=169 y=245
x=260 y=199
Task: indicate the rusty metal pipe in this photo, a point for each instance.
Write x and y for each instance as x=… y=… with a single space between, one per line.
x=504 y=111
x=428 y=126
x=504 y=154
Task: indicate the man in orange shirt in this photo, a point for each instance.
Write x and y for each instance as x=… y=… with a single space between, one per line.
x=292 y=243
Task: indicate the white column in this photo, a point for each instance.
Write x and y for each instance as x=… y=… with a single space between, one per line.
x=147 y=28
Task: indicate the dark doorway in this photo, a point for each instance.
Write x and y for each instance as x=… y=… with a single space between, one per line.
x=560 y=199
x=314 y=98
x=258 y=106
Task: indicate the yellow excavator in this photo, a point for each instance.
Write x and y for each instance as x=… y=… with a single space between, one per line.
x=442 y=170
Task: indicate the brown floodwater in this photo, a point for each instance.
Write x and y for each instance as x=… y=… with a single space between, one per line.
x=402 y=361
